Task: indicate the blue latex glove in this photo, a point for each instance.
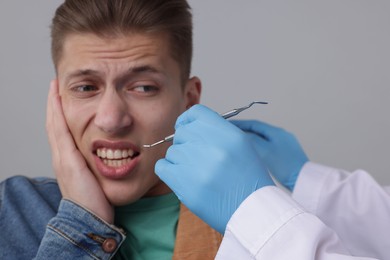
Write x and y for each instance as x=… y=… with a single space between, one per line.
x=212 y=166
x=278 y=149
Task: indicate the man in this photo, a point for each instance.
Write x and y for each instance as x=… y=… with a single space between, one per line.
x=122 y=79
x=332 y=214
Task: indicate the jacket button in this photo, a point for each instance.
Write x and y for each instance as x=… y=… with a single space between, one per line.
x=109 y=245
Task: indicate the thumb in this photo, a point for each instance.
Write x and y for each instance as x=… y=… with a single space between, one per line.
x=162 y=169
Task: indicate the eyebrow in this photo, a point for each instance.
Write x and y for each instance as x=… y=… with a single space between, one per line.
x=78 y=73
x=91 y=72
x=145 y=68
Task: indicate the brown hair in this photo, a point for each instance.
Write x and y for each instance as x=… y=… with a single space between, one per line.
x=107 y=18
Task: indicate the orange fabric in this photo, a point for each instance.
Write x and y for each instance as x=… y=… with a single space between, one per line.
x=195 y=240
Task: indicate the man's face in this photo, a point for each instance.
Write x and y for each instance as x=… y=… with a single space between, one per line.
x=117 y=95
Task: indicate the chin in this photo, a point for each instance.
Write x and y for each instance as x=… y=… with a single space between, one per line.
x=120 y=195
x=119 y=200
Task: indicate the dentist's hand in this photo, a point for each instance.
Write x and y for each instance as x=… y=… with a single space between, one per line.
x=77 y=183
x=212 y=166
x=278 y=149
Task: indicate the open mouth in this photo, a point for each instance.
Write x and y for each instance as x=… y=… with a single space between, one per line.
x=116 y=157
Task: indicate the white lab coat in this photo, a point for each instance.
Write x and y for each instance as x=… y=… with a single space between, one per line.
x=332 y=214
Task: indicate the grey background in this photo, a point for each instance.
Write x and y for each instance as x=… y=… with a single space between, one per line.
x=322 y=65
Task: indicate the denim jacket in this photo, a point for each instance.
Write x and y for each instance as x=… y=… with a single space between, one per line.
x=36 y=223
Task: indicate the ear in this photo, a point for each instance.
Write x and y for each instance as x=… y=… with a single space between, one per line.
x=192 y=91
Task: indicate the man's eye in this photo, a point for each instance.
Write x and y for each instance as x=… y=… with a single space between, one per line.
x=85 y=88
x=145 y=89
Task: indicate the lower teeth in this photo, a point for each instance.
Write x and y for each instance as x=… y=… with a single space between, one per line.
x=116 y=163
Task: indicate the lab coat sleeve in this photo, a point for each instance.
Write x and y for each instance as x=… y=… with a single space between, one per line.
x=269 y=224
x=353 y=204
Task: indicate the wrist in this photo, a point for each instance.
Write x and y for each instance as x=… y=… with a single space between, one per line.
x=105 y=213
x=290 y=183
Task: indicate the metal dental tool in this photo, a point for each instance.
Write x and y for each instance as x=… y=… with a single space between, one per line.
x=226 y=115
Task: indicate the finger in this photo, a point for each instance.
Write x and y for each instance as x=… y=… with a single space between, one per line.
x=187 y=133
x=161 y=168
x=185 y=118
x=257 y=140
x=61 y=133
x=167 y=172
x=261 y=145
x=205 y=129
x=185 y=154
x=262 y=129
x=196 y=112
x=50 y=117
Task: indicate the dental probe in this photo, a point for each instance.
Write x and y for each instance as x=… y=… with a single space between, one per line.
x=226 y=115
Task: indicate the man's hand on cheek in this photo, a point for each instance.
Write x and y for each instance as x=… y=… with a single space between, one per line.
x=76 y=181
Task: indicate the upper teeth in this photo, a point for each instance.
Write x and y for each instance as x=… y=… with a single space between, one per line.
x=114 y=154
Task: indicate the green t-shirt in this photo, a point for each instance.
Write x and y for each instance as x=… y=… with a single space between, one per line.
x=150 y=225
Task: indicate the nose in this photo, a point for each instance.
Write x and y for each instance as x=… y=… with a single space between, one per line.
x=112 y=115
